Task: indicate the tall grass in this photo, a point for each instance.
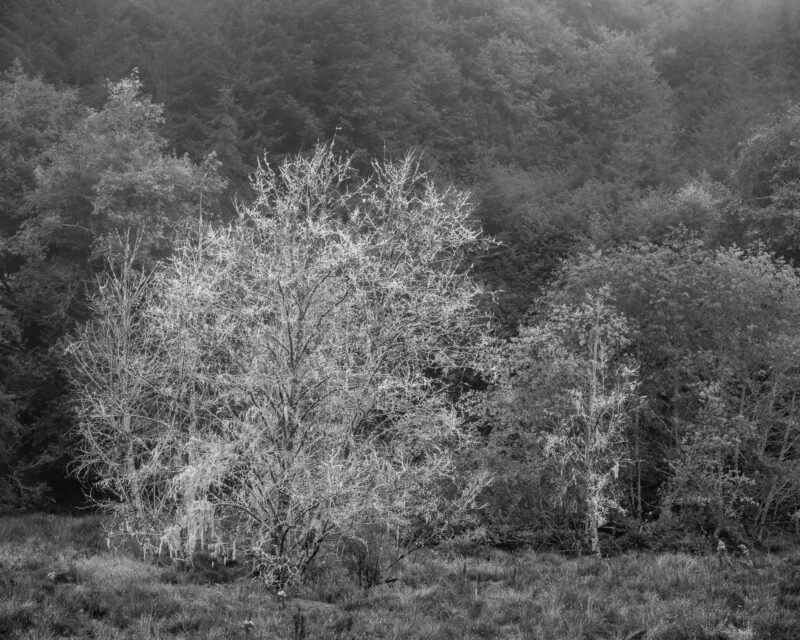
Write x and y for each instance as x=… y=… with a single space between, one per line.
x=58 y=580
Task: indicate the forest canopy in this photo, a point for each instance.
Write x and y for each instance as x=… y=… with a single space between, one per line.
x=633 y=167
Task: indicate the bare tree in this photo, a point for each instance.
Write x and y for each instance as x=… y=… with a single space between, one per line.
x=280 y=381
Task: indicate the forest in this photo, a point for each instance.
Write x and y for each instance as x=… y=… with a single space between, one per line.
x=522 y=273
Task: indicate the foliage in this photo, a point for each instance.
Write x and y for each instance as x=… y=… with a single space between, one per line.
x=567 y=390
x=767 y=170
x=767 y=177
x=110 y=174
x=715 y=332
x=626 y=127
x=33 y=117
x=696 y=209
x=76 y=179
x=618 y=112
x=729 y=68
x=280 y=381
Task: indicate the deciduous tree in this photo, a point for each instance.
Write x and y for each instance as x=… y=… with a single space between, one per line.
x=567 y=389
x=280 y=381
x=715 y=331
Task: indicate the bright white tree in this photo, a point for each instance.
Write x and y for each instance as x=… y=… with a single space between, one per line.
x=281 y=381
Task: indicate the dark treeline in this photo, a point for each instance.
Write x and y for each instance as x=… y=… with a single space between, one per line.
x=646 y=149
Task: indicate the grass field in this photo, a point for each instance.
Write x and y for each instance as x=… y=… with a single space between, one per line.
x=58 y=580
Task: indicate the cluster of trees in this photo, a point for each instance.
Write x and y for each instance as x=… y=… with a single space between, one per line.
x=672 y=367
x=73 y=179
x=627 y=348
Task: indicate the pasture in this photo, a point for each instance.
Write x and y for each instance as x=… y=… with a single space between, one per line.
x=58 y=580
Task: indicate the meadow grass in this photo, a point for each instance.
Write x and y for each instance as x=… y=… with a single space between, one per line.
x=58 y=580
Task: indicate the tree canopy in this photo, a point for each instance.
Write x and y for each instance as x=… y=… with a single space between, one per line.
x=628 y=158
x=272 y=384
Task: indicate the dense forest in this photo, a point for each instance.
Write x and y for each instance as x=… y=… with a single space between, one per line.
x=633 y=164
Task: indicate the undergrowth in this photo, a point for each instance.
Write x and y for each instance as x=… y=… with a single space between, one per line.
x=58 y=580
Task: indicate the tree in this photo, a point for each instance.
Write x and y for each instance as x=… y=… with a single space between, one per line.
x=715 y=333
x=281 y=381
x=729 y=66
x=112 y=173
x=615 y=114
x=767 y=177
x=33 y=117
x=767 y=172
x=71 y=180
x=568 y=390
